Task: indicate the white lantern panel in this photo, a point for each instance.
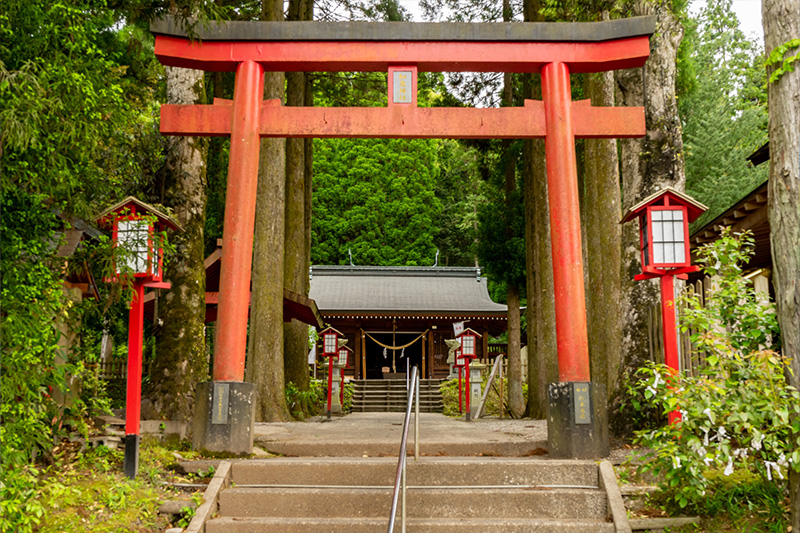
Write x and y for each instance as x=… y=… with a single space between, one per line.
x=658 y=253
x=329 y=346
x=668 y=236
x=132 y=238
x=669 y=252
x=680 y=253
x=343 y=357
x=468 y=345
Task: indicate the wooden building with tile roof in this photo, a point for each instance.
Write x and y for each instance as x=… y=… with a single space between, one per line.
x=399 y=316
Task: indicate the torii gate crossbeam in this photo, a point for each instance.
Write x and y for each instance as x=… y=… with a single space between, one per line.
x=552 y=49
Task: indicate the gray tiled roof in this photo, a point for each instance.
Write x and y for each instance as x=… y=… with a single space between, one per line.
x=410 y=289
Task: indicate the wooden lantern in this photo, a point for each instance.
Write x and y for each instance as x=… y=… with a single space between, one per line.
x=330 y=342
x=664 y=220
x=469 y=344
x=344 y=356
x=136 y=228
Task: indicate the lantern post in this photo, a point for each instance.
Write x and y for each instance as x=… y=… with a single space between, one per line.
x=459 y=364
x=468 y=352
x=664 y=219
x=136 y=229
x=343 y=362
x=330 y=349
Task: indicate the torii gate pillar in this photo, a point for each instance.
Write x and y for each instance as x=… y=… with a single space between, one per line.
x=577 y=424
x=577 y=419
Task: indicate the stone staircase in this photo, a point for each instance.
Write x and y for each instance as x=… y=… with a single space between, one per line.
x=445 y=495
x=384 y=395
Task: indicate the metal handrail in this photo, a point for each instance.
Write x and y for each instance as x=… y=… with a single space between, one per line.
x=413 y=394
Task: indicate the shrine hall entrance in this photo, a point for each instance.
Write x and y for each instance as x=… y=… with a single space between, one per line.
x=385 y=363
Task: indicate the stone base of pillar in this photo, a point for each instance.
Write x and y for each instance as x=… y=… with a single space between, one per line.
x=130 y=466
x=577 y=421
x=224 y=417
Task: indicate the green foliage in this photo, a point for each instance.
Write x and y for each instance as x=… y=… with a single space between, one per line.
x=738 y=413
x=779 y=59
x=501 y=247
x=32 y=300
x=19 y=510
x=449 y=391
x=374 y=197
x=306 y=403
x=723 y=110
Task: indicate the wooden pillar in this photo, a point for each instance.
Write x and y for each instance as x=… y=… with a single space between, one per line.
x=432 y=366
x=485 y=342
x=424 y=355
x=237 y=235
x=362 y=341
x=565 y=225
x=359 y=366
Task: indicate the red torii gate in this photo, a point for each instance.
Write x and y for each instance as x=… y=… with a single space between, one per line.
x=552 y=49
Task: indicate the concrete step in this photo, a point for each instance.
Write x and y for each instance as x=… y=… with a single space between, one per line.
x=422 y=502
x=414 y=525
x=394 y=394
x=388 y=400
x=392 y=409
x=427 y=471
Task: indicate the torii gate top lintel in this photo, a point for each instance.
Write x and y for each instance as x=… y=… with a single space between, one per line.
x=432 y=47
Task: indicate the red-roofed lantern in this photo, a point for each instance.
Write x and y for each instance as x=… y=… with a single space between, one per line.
x=664 y=220
x=343 y=362
x=330 y=349
x=469 y=351
x=136 y=230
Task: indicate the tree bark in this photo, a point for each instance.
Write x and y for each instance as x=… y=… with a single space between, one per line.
x=781 y=21
x=647 y=165
x=602 y=214
x=295 y=274
x=516 y=402
x=265 y=351
x=542 y=353
x=180 y=360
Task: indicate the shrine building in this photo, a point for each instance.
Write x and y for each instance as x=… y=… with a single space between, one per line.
x=394 y=316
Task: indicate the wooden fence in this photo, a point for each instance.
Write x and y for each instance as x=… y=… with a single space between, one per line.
x=112 y=369
x=690 y=360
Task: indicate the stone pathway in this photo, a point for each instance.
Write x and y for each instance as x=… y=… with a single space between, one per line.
x=378 y=434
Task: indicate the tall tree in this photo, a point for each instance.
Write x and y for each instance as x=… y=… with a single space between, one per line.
x=781 y=20
x=516 y=402
x=602 y=213
x=265 y=367
x=542 y=354
x=180 y=360
x=296 y=256
x=648 y=164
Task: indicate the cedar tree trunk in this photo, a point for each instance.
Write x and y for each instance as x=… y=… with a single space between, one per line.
x=602 y=214
x=295 y=274
x=781 y=20
x=180 y=361
x=265 y=354
x=648 y=165
x=542 y=353
x=516 y=403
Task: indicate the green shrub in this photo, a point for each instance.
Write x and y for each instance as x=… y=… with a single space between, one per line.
x=738 y=413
